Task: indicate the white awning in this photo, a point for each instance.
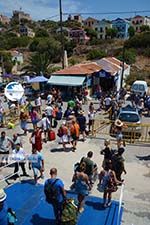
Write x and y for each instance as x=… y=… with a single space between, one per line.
x=66 y=80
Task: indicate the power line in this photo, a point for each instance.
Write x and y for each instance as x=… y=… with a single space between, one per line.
x=51 y=17
x=107 y=13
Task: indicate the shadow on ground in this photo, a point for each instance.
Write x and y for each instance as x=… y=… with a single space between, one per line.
x=37 y=220
x=61 y=150
x=95 y=205
x=145 y=158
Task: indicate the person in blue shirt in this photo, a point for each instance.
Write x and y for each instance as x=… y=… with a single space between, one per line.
x=3 y=208
x=11 y=217
x=36 y=162
x=61 y=194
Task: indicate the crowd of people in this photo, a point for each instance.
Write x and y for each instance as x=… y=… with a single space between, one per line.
x=70 y=125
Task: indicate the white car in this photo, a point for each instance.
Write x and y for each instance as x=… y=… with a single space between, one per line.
x=139 y=87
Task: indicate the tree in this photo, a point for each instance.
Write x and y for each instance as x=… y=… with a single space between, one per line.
x=69 y=47
x=129 y=56
x=111 y=32
x=144 y=28
x=49 y=45
x=38 y=63
x=95 y=54
x=91 y=33
x=141 y=40
x=33 y=45
x=41 y=33
x=74 y=60
x=47 y=52
x=131 y=31
x=14 y=42
x=71 y=24
x=7 y=61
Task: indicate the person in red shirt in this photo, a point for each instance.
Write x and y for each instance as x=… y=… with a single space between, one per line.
x=36 y=139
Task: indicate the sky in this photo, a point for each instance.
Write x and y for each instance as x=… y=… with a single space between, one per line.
x=46 y=9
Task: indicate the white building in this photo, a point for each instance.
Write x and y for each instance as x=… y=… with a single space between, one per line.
x=101 y=26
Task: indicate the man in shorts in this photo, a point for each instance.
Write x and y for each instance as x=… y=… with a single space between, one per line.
x=36 y=162
x=58 y=184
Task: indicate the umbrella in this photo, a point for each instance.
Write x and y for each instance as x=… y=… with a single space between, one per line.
x=14 y=91
x=38 y=79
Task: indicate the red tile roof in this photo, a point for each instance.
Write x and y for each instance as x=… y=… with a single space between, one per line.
x=80 y=69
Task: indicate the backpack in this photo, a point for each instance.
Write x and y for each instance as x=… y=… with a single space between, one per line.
x=50 y=191
x=107 y=183
x=60 y=132
x=88 y=166
x=104 y=182
x=69 y=213
x=59 y=115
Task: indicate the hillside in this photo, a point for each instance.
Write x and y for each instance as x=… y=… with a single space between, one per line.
x=43 y=52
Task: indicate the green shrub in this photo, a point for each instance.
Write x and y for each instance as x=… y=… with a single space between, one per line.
x=95 y=54
x=73 y=60
x=146 y=52
x=141 y=40
x=129 y=56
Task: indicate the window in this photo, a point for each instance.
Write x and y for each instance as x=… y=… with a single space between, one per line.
x=135 y=87
x=129 y=117
x=141 y=87
x=96 y=29
x=101 y=29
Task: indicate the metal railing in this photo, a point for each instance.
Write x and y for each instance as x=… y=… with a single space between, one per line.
x=5 y=178
x=132 y=133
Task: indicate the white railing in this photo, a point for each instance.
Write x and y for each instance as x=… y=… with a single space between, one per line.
x=120 y=204
x=5 y=178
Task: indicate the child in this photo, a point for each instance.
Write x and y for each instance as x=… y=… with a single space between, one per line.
x=11 y=216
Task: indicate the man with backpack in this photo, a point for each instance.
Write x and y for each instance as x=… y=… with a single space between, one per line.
x=55 y=194
x=118 y=163
x=90 y=166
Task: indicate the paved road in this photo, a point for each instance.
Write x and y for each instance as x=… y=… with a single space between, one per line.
x=137 y=181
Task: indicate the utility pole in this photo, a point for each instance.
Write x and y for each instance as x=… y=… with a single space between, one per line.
x=61 y=32
x=123 y=61
x=2 y=66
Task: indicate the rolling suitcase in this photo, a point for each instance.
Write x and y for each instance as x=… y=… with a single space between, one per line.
x=51 y=135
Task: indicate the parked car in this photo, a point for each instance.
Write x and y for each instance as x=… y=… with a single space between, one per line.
x=132 y=119
x=139 y=87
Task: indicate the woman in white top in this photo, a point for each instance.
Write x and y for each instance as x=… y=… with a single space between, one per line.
x=38 y=103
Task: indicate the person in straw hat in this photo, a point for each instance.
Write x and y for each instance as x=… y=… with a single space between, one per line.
x=119 y=135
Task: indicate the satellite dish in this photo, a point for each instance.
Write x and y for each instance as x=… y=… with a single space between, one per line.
x=14 y=91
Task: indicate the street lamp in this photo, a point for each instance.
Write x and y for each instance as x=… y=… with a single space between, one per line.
x=61 y=32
